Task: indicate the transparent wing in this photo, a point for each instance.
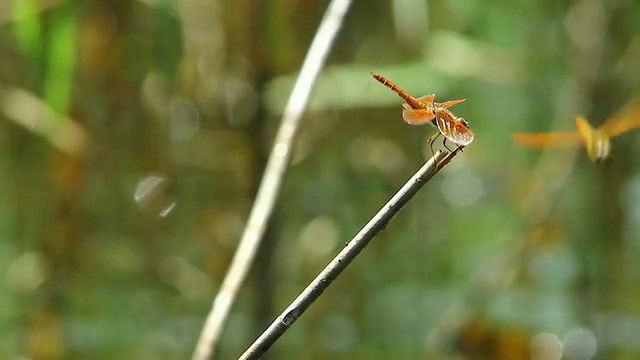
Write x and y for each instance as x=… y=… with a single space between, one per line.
x=547 y=139
x=427 y=99
x=450 y=103
x=417 y=116
x=460 y=135
x=454 y=130
x=624 y=121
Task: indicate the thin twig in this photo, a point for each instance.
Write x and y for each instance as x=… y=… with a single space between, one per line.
x=449 y=156
x=344 y=258
x=271 y=180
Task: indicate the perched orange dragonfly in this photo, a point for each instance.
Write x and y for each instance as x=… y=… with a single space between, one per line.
x=597 y=141
x=422 y=110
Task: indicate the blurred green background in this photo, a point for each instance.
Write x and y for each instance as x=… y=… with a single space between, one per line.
x=134 y=135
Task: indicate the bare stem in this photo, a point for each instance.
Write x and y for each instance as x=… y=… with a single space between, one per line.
x=283 y=322
x=271 y=180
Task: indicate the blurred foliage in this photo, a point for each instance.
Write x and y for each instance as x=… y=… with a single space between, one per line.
x=134 y=134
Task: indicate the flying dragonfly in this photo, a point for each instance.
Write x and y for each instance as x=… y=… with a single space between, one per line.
x=597 y=141
x=423 y=110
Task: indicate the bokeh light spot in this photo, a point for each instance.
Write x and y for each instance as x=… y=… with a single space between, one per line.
x=152 y=194
x=319 y=236
x=462 y=188
x=546 y=346
x=184 y=120
x=580 y=344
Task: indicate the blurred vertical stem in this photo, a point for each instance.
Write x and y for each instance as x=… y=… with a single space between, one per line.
x=60 y=56
x=27 y=27
x=271 y=180
x=61 y=61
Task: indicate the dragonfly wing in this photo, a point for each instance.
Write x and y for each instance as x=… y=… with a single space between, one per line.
x=450 y=103
x=622 y=122
x=417 y=116
x=460 y=135
x=547 y=139
x=427 y=100
x=453 y=129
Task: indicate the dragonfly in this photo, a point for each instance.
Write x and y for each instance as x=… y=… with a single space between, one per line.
x=424 y=109
x=597 y=141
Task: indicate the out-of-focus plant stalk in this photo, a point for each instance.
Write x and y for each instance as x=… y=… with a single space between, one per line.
x=271 y=180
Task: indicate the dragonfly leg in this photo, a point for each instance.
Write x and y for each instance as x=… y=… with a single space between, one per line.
x=430 y=142
x=444 y=142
